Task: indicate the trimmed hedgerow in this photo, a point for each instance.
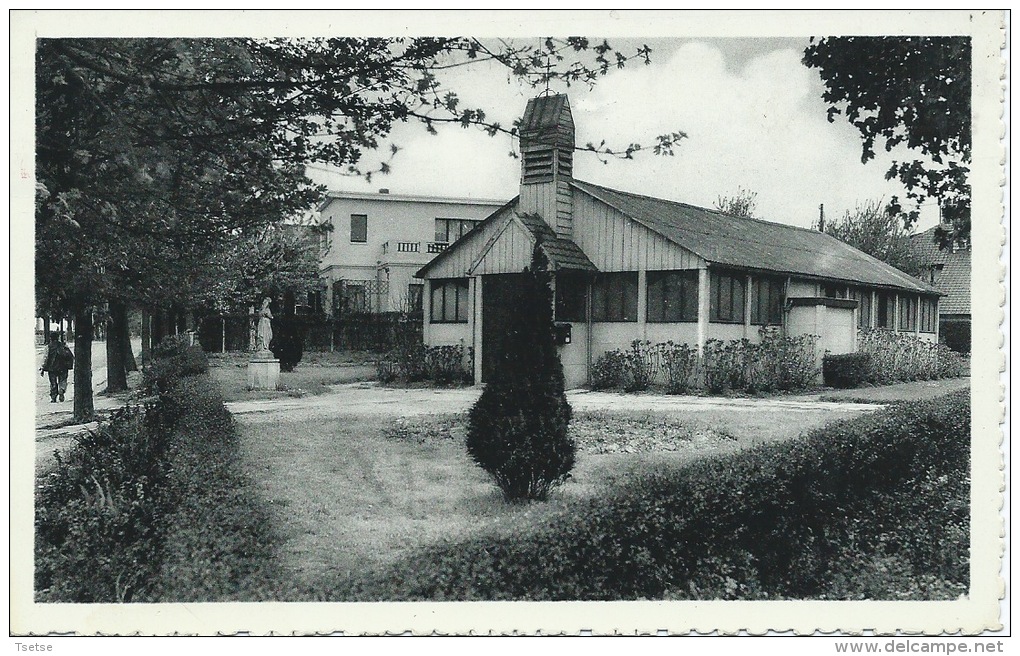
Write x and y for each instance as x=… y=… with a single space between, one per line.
x=151 y=506
x=875 y=507
x=846 y=370
x=217 y=543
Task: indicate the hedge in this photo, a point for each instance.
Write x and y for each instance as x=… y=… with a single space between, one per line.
x=846 y=370
x=152 y=505
x=875 y=507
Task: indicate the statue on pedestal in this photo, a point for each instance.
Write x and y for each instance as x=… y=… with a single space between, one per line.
x=264 y=334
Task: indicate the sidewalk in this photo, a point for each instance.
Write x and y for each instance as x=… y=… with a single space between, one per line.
x=55 y=427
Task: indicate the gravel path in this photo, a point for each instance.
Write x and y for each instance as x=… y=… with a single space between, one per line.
x=372 y=399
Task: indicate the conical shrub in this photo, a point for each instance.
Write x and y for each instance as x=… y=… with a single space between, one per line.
x=517 y=430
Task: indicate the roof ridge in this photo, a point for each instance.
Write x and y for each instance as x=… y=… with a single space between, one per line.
x=703 y=209
x=891 y=270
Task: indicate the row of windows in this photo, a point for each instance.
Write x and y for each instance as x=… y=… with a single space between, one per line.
x=447 y=230
x=673 y=298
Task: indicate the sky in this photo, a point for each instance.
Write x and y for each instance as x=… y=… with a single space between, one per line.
x=752 y=111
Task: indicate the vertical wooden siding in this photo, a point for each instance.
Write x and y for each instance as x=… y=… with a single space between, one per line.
x=614 y=242
x=460 y=260
x=510 y=254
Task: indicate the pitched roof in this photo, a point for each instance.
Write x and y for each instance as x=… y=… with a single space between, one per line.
x=951 y=271
x=754 y=244
x=562 y=253
x=954 y=281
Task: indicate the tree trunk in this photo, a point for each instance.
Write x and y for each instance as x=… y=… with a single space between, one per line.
x=146 y=336
x=158 y=326
x=116 y=336
x=46 y=330
x=129 y=355
x=84 y=408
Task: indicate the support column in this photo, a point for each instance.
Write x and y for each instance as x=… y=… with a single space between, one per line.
x=703 y=306
x=747 y=307
x=476 y=333
x=426 y=312
x=642 y=304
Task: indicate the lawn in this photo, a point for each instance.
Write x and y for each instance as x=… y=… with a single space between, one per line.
x=357 y=493
x=913 y=391
x=307 y=379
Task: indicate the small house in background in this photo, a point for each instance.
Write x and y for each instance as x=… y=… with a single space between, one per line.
x=376 y=242
x=631 y=267
x=949 y=272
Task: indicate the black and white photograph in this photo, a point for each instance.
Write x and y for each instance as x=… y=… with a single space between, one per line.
x=652 y=321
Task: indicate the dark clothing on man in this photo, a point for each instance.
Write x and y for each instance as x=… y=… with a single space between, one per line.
x=59 y=360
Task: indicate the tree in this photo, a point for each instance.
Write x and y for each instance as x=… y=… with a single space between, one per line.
x=879 y=232
x=744 y=203
x=159 y=155
x=517 y=430
x=911 y=91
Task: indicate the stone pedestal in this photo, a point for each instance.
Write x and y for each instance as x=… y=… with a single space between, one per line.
x=263 y=372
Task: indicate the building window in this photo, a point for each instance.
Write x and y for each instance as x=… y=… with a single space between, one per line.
x=672 y=296
x=766 y=301
x=614 y=296
x=359 y=228
x=450 y=230
x=863 y=298
x=571 y=295
x=908 y=313
x=449 y=301
x=884 y=317
x=726 y=294
x=929 y=315
x=415 y=291
x=354 y=299
x=832 y=290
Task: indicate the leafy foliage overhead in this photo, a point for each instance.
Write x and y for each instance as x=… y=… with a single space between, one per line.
x=912 y=92
x=154 y=154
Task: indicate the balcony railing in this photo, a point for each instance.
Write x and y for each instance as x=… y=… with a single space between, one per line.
x=401 y=247
x=436 y=247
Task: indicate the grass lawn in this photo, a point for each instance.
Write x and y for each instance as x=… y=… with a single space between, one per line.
x=306 y=379
x=356 y=493
x=915 y=391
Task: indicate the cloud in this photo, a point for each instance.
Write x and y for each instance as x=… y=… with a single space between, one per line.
x=752 y=111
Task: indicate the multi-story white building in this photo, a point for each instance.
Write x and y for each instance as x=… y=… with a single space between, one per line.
x=377 y=241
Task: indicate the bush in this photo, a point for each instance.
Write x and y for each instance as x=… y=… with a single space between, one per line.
x=680 y=366
x=641 y=365
x=173 y=359
x=900 y=357
x=288 y=343
x=846 y=370
x=609 y=371
x=150 y=506
x=517 y=430
x=413 y=363
x=876 y=507
x=776 y=363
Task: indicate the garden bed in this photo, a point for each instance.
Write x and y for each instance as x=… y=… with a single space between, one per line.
x=597 y=432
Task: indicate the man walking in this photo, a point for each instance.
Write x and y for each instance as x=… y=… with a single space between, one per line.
x=59 y=360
